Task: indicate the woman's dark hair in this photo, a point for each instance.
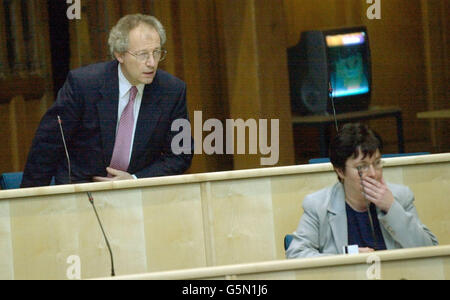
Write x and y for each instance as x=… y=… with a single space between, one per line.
x=351 y=140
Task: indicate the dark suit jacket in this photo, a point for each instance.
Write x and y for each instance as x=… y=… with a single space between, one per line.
x=88 y=105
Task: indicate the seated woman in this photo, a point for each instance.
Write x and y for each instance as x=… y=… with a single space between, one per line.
x=338 y=216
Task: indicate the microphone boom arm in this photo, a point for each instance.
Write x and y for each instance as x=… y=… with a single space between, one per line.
x=91 y=200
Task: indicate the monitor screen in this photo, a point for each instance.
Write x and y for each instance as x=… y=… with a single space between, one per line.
x=348 y=62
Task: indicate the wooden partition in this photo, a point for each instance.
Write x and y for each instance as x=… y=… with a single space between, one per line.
x=186 y=221
x=25 y=77
x=425 y=263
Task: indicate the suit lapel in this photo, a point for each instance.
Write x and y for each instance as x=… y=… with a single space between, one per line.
x=107 y=108
x=388 y=240
x=337 y=217
x=147 y=121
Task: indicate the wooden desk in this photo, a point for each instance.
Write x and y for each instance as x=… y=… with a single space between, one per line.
x=323 y=122
x=435 y=114
x=187 y=221
x=411 y=264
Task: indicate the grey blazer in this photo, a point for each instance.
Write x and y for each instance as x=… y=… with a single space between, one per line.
x=323 y=227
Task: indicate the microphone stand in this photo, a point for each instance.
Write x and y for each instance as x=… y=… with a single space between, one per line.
x=91 y=200
x=368 y=210
x=65 y=148
x=330 y=94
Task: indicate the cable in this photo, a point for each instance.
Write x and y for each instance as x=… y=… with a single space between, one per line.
x=368 y=209
x=91 y=200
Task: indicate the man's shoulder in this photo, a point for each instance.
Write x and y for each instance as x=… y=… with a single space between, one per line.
x=94 y=74
x=169 y=81
x=96 y=69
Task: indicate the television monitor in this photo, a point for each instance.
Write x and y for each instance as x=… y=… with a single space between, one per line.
x=339 y=58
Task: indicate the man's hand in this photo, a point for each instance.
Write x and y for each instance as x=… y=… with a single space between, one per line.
x=113 y=175
x=378 y=193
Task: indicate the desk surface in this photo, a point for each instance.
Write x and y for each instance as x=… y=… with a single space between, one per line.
x=371 y=113
x=434 y=114
x=413 y=263
x=204 y=177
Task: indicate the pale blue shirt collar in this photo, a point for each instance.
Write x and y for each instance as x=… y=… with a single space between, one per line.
x=125 y=85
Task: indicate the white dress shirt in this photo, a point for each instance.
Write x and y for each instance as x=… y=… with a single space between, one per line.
x=124 y=96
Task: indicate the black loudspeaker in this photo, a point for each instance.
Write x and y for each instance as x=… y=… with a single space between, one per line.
x=308 y=74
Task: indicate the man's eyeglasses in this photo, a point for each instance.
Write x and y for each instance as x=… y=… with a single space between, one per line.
x=158 y=55
x=364 y=168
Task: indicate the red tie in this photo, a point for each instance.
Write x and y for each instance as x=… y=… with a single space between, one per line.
x=121 y=153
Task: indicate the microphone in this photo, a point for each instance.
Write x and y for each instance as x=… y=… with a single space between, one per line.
x=372 y=229
x=65 y=148
x=91 y=200
x=330 y=94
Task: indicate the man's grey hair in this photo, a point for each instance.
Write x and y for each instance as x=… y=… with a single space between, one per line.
x=118 y=36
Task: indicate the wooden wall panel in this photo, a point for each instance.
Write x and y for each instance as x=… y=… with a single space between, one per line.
x=398 y=69
x=202 y=71
x=19 y=66
x=4 y=69
x=6 y=164
x=25 y=79
x=42 y=38
x=445 y=133
x=80 y=43
x=98 y=30
x=436 y=39
x=33 y=50
x=18 y=136
x=163 y=11
x=304 y=15
x=273 y=74
x=256 y=70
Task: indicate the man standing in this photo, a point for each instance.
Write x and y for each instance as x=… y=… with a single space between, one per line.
x=115 y=116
